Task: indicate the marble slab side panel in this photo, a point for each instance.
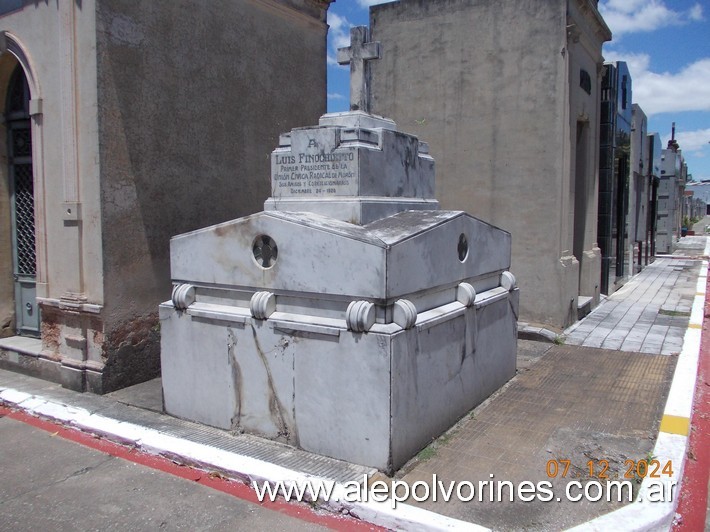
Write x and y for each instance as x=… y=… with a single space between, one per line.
x=496 y=345
x=431 y=258
x=398 y=171
x=310 y=260
x=197 y=375
x=228 y=375
x=444 y=371
x=262 y=365
x=429 y=369
x=343 y=397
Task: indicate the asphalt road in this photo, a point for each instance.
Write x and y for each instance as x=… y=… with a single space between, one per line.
x=50 y=483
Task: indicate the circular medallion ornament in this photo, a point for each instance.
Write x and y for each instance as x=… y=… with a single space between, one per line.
x=265 y=251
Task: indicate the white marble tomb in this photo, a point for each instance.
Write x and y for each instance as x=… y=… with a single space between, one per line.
x=351 y=318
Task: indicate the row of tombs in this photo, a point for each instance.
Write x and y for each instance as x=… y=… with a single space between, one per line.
x=352 y=318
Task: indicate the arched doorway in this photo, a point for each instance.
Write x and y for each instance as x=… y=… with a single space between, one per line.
x=21 y=187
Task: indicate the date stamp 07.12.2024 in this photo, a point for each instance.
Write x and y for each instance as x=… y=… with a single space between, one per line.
x=600 y=469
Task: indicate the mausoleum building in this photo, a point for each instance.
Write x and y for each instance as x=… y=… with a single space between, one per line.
x=507 y=94
x=127 y=122
x=671 y=189
x=653 y=169
x=616 y=217
x=641 y=196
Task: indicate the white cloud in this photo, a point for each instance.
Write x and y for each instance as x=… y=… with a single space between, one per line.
x=340 y=29
x=695 y=142
x=332 y=61
x=667 y=92
x=366 y=3
x=335 y=96
x=631 y=16
x=339 y=36
x=637 y=63
x=696 y=13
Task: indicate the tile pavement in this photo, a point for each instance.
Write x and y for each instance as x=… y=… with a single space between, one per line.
x=574 y=403
x=651 y=312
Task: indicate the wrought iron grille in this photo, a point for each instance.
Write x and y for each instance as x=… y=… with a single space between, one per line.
x=25 y=219
x=21 y=143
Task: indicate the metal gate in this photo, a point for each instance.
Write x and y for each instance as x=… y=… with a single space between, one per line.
x=19 y=136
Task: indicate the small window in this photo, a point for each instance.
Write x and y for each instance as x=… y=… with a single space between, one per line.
x=585 y=81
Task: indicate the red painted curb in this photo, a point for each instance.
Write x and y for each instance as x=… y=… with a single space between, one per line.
x=234 y=488
x=692 y=504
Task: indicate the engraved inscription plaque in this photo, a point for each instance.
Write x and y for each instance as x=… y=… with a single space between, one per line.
x=315 y=165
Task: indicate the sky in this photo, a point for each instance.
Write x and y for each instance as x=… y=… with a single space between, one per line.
x=665 y=43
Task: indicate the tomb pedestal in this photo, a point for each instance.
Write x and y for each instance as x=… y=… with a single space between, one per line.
x=354 y=167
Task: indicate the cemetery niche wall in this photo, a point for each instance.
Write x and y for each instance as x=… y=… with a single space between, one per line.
x=351 y=318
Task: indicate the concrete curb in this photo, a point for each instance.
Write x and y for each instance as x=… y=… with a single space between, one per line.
x=242 y=468
x=538 y=334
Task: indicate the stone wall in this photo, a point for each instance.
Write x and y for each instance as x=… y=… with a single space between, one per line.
x=7 y=294
x=494 y=87
x=193 y=97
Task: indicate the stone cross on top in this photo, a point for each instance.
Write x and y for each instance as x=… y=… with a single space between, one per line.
x=358 y=55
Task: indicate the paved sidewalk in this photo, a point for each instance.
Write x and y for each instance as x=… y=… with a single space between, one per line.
x=590 y=400
x=576 y=403
x=650 y=313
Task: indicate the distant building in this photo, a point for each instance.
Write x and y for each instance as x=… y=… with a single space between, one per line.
x=654 y=153
x=637 y=220
x=128 y=123
x=671 y=189
x=614 y=226
x=693 y=208
x=701 y=192
x=507 y=94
